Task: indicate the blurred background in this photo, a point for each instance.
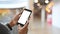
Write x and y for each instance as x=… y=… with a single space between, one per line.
x=44 y=19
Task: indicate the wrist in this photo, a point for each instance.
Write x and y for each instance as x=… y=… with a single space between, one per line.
x=9 y=27
x=11 y=24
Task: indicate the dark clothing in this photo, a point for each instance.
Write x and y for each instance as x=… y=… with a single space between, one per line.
x=3 y=30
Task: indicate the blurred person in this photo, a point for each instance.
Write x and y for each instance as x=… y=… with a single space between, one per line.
x=5 y=29
x=49 y=12
x=37 y=10
x=49 y=7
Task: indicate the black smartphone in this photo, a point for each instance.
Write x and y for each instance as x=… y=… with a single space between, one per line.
x=24 y=17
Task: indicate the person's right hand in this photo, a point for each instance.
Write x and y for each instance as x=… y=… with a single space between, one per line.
x=24 y=29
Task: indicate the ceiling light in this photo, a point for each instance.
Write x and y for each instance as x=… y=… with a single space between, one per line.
x=46 y=1
x=36 y=1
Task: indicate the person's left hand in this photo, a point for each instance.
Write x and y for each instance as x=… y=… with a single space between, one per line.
x=14 y=21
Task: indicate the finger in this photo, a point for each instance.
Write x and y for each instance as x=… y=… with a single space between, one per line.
x=19 y=27
x=17 y=17
x=28 y=21
x=29 y=17
x=26 y=25
x=19 y=14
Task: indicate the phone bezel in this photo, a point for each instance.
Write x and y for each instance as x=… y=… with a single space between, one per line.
x=28 y=17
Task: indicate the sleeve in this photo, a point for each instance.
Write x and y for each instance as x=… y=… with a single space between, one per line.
x=8 y=27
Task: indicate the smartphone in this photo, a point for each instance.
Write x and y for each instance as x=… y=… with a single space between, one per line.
x=24 y=17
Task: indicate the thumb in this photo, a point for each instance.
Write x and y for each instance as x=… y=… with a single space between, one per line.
x=19 y=27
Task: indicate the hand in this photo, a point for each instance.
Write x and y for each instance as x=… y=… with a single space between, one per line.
x=14 y=21
x=24 y=29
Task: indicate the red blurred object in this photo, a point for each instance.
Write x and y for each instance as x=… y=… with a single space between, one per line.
x=49 y=19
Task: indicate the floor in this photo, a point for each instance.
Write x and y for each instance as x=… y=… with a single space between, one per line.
x=37 y=27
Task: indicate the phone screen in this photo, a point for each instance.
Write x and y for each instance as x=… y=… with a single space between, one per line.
x=24 y=17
